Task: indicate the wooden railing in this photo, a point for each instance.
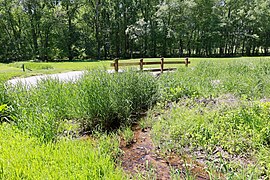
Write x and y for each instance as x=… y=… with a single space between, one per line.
x=116 y=64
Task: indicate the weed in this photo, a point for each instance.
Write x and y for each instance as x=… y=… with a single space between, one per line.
x=128 y=135
x=239 y=132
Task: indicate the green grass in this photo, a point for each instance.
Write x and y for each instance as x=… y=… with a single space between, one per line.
x=247 y=79
x=218 y=110
x=24 y=157
x=214 y=104
x=222 y=134
x=97 y=101
x=9 y=71
x=14 y=69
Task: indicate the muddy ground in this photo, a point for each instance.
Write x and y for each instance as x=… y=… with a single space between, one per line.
x=142 y=158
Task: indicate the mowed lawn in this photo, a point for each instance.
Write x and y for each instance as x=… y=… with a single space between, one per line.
x=11 y=70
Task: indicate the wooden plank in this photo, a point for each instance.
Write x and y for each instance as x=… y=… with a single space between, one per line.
x=175 y=62
x=161 y=65
x=186 y=60
x=141 y=64
x=116 y=64
x=156 y=70
x=126 y=64
x=151 y=70
x=151 y=63
x=148 y=63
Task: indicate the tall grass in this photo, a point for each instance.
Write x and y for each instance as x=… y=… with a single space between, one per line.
x=5 y=106
x=232 y=135
x=40 y=109
x=24 y=157
x=3 y=95
x=98 y=100
x=108 y=100
x=248 y=78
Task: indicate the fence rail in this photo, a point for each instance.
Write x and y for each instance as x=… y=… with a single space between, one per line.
x=116 y=64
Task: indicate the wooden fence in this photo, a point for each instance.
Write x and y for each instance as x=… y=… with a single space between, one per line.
x=162 y=62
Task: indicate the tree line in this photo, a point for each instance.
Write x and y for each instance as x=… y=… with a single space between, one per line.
x=105 y=29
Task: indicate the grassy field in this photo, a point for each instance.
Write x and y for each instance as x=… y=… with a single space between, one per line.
x=12 y=70
x=216 y=112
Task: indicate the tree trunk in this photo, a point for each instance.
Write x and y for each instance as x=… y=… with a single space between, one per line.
x=97 y=29
x=70 y=55
x=180 y=48
x=34 y=37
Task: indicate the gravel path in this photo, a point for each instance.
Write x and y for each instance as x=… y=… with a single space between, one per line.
x=68 y=76
x=74 y=75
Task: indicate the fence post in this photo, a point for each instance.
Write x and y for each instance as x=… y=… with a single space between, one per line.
x=23 y=68
x=186 y=61
x=162 y=65
x=141 y=64
x=116 y=65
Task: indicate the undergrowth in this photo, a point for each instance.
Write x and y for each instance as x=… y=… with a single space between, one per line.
x=236 y=136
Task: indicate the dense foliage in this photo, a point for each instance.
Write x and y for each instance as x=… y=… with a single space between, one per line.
x=79 y=29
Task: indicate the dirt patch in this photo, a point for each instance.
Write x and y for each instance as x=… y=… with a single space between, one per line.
x=143 y=158
x=140 y=156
